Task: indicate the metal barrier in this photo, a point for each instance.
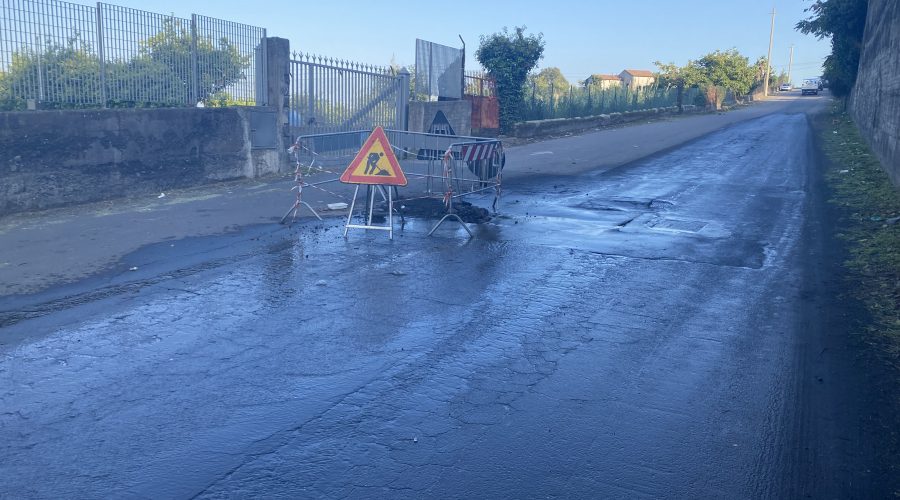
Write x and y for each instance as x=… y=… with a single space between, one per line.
x=439 y=71
x=444 y=166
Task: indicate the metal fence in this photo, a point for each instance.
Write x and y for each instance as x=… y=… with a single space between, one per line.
x=478 y=83
x=330 y=95
x=590 y=101
x=56 y=54
x=439 y=71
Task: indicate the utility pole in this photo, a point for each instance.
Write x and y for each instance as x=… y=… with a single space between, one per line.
x=791 y=64
x=769 y=57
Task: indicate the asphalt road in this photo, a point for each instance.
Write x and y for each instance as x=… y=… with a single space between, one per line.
x=43 y=251
x=635 y=332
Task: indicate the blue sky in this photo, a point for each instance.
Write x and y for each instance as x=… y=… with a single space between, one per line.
x=581 y=37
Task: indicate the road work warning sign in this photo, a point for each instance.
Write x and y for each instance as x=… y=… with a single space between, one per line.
x=375 y=163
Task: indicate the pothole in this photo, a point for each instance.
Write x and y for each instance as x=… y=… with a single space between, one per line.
x=689 y=226
x=624 y=204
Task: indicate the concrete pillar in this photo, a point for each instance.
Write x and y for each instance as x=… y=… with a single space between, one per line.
x=278 y=78
x=403 y=100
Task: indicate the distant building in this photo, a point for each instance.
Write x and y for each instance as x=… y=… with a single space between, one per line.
x=603 y=81
x=636 y=78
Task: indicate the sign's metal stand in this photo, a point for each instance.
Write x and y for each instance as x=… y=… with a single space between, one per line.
x=454 y=215
x=371 y=203
x=448 y=196
x=376 y=166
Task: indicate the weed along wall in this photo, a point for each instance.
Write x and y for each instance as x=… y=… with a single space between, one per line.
x=56 y=158
x=875 y=101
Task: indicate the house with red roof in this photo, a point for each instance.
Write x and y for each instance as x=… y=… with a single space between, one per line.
x=603 y=81
x=636 y=78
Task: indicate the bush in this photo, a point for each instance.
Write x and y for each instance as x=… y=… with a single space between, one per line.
x=509 y=57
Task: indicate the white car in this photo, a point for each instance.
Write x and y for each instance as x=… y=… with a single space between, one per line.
x=810 y=87
x=785 y=87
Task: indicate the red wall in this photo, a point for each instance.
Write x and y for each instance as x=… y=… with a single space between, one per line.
x=485 y=114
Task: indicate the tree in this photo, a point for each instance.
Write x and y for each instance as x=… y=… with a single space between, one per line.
x=760 y=68
x=728 y=69
x=66 y=75
x=715 y=73
x=671 y=76
x=844 y=21
x=549 y=83
x=167 y=56
x=781 y=78
x=509 y=57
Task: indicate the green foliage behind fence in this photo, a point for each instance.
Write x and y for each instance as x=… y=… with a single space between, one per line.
x=63 y=55
x=591 y=101
x=66 y=77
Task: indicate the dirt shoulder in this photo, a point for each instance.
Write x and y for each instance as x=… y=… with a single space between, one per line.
x=848 y=390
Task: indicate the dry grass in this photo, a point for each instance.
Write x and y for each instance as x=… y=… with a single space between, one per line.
x=870 y=206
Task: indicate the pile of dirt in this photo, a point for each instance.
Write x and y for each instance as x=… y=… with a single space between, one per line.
x=434 y=208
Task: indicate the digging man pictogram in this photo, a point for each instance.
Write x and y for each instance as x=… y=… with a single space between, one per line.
x=372 y=167
x=375 y=163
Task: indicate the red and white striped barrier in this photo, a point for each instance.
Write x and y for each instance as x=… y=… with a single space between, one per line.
x=475 y=152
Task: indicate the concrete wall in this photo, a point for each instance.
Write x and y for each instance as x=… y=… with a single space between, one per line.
x=539 y=128
x=56 y=158
x=457 y=113
x=875 y=100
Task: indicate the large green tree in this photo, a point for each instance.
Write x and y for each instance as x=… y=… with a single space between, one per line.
x=715 y=73
x=671 y=76
x=727 y=69
x=509 y=56
x=162 y=70
x=843 y=21
x=219 y=62
x=549 y=83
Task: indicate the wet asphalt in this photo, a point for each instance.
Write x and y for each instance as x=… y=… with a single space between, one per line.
x=625 y=334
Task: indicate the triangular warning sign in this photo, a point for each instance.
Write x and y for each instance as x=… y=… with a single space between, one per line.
x=375 y=163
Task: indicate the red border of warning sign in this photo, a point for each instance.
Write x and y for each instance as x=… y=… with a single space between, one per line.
x=399 y=179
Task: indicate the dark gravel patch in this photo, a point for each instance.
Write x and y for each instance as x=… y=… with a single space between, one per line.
x=434 y=208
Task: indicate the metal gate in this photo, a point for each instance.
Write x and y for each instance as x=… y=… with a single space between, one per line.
x=330 y=95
